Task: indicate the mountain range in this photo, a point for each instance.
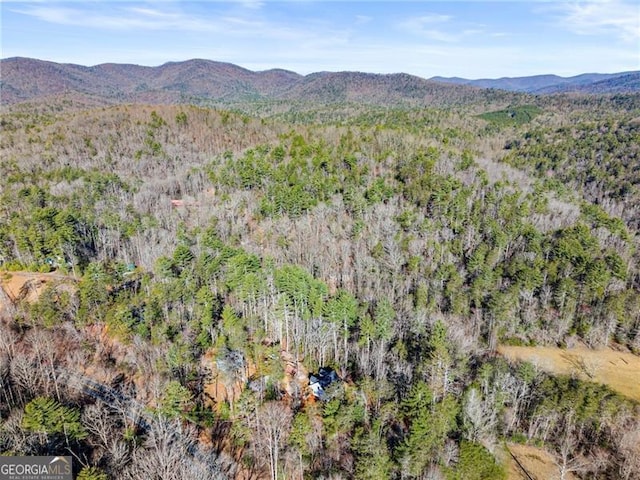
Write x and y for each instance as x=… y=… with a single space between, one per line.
x=546 y=84
x=201 y=81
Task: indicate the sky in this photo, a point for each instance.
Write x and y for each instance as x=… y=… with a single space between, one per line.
x=471 y=39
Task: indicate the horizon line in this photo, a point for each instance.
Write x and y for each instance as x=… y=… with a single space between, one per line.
x=445 y=77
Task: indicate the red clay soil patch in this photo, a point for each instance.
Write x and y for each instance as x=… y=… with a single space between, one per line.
x=219 y=388
x=28 y=286
x=618 y=370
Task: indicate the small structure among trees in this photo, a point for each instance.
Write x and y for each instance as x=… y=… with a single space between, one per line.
x=320 y=381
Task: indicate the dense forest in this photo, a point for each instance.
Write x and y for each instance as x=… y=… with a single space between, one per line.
x=191 y=269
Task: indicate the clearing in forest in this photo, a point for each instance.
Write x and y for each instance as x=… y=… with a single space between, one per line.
x=16 y=286
x=618 y=370
x=537 y=462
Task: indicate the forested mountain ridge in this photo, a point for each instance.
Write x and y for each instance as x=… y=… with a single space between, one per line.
x=547 y=84
x=205 y=81
x=210 y=260
x=208 y=82
x=27 y=79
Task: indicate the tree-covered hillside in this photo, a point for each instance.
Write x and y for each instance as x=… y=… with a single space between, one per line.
x=210 y=262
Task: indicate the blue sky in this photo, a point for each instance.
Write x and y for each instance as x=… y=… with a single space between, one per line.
x=473 y=39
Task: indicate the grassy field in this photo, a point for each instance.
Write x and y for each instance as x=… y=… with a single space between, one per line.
x=618 y=370
x=537 y=462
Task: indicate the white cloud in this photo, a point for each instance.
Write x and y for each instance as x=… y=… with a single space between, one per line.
x=136 y=18
x=362 y=19
x=440 y=28
x=253 y=4
x=614 y=17
x=432 y=18
x=243 y=22
x=120 y=19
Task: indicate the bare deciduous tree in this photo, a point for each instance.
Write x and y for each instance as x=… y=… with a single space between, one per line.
x=567 y=455
x=479 y=417
x=273 y=421
x=168 y=453
x=629 y=450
